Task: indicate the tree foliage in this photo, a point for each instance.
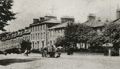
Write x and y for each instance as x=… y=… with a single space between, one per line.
x=77 y=33
x=61 y=41
x=112 y=32
x=83 y=33
x=71 y=32
x=25 y=45
x=5 y=13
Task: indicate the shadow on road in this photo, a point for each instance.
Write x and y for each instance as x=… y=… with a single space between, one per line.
x=6 y=62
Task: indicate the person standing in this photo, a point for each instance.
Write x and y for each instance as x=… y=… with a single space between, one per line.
x=58 y=51
x=53 y=50
x=45 y=51
x=42 y=51
x=26 y=52
x=49 y=51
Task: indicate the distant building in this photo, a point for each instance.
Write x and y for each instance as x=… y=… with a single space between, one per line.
x=117 y=21
x=97 y=25
x=58 y=30
x=45 y=30
x=40 y=30
x=11 y=40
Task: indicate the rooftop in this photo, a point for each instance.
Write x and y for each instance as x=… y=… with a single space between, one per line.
x=61 y=25
x=51 y=21
x=94 y=23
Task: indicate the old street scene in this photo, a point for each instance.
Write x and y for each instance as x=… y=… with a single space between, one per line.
x=59 y=34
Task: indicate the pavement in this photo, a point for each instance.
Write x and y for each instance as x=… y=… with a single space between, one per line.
x=75 y=61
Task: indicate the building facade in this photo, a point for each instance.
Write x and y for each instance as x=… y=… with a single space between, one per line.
x=58 y=30
x=11 y=40
x=45 y=30
x=40 y=30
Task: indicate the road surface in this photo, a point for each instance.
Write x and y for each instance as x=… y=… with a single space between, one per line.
x=75 y=61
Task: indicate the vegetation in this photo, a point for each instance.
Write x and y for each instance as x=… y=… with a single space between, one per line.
x=25 y=45
x=77 y=33
x=70 y=33
x=60 y=41
x=112 y=33
x=5 y=13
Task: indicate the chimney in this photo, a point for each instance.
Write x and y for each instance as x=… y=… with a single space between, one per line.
x=99 y=19
x=118 y=13
x=35 y=20
x=50 y=17
x=67 y=19
x=42 y=19
x=91 y=17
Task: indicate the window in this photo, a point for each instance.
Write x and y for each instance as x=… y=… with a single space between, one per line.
x=50 y=33
x=38 y=28
x=44 y=27
x=58 y=31
x=33 y=28
x=44 y=35
x=41 y=35
x=38 y=35
x=41 y=27
x=33 y=44
x=31 y=36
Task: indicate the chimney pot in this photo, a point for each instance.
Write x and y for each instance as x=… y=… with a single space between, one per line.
x=91 y=17
x=35 y=20
x=67 y=19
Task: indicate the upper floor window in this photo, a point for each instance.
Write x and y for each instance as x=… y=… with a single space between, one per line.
x=33 y=37
x=41 y=35
x=38 y=28
x=44 y=35
x=44 y=27
x=36 y=36
x=41 y=27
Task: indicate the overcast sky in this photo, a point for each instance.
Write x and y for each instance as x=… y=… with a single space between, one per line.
x=79 y=9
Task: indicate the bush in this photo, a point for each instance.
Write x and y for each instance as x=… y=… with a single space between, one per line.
x=14 y=50
x=96 y=49
x=35 y=51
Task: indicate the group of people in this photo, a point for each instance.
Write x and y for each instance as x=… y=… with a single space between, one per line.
x=51 y=51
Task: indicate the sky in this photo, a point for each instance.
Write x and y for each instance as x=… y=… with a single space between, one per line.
x=79 y=9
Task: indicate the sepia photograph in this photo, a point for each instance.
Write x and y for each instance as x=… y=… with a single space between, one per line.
x=59 y=34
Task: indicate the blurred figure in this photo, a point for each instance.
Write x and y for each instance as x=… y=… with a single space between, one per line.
x=45 y=51
x=49 y=51
x=58 y=51
x=42 y=51
x=26 y=52
x=70 y=51
x=53 y=51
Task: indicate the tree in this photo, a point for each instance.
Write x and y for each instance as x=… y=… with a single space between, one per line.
x=5 y=13
x=77 y=33
x=71 y=33
x=112 y=32
x=83 y=31
x=25 y=45
x=61 y=41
